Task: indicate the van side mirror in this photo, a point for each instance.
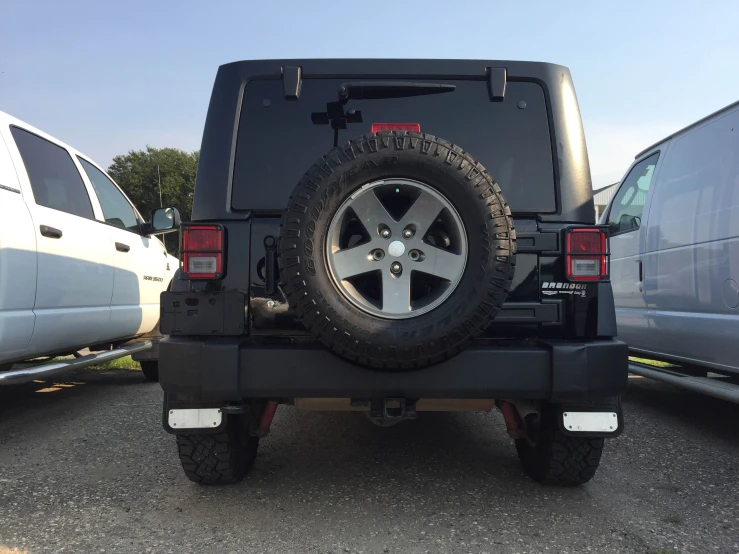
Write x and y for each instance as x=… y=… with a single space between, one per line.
x=163 y=220
x=627 y=223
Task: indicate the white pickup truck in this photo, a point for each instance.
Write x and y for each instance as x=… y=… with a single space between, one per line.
x=79 y=266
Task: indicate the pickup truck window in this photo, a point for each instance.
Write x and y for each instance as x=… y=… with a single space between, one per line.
x=55 y=181
x=116 y=209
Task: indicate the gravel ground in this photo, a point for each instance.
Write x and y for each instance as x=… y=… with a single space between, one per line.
x=86 y=467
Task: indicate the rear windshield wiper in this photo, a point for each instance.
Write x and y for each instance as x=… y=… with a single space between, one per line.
x=375 y=90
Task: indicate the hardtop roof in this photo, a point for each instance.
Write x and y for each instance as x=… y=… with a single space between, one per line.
x=212 y=198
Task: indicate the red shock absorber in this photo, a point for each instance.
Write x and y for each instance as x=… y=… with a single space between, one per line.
x=269 y=413
x=511 y=418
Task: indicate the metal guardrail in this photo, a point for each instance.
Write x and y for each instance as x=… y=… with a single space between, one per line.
x=27 y=374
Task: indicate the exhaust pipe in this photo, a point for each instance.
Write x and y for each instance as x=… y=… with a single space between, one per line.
x=527 y=410
x=518 y=414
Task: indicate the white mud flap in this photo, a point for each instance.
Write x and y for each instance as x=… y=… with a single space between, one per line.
x=590 y=422
x=195 y=418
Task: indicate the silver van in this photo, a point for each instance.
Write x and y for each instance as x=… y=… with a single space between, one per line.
x=674 y=224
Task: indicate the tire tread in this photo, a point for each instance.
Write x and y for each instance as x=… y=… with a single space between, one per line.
x=335 y=333
x=217 y=458
x=559 y=459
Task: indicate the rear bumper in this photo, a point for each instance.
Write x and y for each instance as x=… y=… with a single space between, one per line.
x=226 y=369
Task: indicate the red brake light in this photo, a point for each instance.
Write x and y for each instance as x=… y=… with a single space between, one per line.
x=587 y=254
x=202 y=251
x=377 y=127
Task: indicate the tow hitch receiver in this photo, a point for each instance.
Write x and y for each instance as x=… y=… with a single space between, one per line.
x=389 y=411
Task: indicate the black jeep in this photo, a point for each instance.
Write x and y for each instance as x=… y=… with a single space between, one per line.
x=392 y=237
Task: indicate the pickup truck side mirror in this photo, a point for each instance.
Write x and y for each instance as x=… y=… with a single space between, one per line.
x=163 y=220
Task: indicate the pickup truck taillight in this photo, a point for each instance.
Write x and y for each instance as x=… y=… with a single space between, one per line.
x=202 y=251
x=587 y=254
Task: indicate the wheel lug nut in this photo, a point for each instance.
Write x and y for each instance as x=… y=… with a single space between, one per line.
x=395 y=267
x=407 y=233
x=378 y=254
x=414 y=255
x=385 y=233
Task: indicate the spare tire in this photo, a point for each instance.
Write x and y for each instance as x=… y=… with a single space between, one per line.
x=396 y=249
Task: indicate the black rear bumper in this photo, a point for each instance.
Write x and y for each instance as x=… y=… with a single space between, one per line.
x=227 y=369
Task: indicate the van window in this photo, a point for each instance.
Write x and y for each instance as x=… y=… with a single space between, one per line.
x=55 y=181
x=628 y=204
x=697 y=197
x=279 y=140
x=116 y=209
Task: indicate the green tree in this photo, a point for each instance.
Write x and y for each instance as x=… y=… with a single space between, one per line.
x=139 y=173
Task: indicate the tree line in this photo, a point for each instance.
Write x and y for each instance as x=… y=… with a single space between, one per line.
x=141 y=172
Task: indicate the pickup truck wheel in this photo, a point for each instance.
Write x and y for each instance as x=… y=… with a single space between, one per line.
x=397 y=249
x=219 y=458
x=150 y=369
x=553 y=458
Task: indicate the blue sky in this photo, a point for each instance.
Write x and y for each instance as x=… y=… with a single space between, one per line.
x=109 y=77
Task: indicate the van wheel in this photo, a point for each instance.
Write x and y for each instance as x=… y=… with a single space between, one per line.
x=150 y=369
x=553 y=458
x=219 y=458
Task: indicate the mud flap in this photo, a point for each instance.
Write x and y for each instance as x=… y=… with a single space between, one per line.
x=172 y=405
x=601 y=418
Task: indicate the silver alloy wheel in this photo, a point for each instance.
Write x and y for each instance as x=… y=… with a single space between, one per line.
x=396 y=248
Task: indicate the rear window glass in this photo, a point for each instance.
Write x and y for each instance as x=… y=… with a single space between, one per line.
x=55 y=181
x=278 y=142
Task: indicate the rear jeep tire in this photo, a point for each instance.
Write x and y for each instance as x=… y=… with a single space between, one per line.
x=220 y=458
x=396 y=342
x=555 y=458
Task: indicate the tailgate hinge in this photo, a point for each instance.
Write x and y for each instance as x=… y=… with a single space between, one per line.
x=496 y=83
x=292 y=81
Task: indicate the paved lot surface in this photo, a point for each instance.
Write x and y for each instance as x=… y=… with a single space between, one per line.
x=87 y=468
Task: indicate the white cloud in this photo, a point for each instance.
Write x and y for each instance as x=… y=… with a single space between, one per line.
x=612 y=146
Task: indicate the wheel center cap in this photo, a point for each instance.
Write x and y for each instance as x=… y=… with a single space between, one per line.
x=396 y=248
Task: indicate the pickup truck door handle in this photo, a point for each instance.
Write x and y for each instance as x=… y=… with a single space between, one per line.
x=50 y=232
x=122 y=247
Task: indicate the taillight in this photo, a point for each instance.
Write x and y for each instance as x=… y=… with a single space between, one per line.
x=587 y=254
x=202 y=251
x=377 y=127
